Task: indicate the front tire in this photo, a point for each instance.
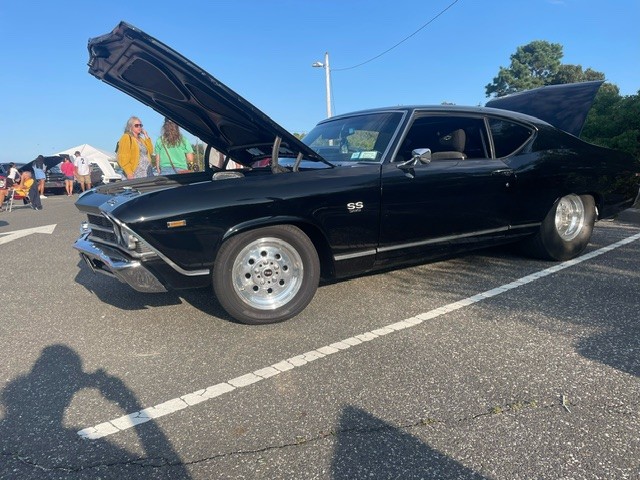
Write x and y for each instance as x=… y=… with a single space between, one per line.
x=266 y=275
x=566 y=230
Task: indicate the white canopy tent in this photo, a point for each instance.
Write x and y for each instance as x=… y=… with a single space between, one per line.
x=100 y=157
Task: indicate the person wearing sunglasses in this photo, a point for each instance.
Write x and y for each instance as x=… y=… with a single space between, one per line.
x=135 y=150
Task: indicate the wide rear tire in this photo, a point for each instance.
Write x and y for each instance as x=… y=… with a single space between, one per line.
x=566 y=230
x=266 y=275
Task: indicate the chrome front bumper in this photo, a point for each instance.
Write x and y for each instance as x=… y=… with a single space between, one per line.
x=112 y=262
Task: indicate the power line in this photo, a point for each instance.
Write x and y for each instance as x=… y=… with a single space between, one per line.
x=399 y=43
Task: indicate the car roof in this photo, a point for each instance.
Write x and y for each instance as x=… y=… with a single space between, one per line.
x=444 y=109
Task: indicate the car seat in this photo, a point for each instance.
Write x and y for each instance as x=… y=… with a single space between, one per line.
x=454 y=142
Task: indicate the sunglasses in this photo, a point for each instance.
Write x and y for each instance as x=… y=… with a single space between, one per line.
x=137 y=125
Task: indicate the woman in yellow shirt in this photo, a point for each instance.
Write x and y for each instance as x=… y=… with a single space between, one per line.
x=135 y=150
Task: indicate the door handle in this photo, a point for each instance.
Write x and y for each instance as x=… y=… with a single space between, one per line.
x=503 y=172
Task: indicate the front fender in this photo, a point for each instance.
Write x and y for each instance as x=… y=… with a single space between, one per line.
x=266 y=222
x=313 y=231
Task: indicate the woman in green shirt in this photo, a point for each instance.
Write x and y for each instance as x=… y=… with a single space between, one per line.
x=173 y=151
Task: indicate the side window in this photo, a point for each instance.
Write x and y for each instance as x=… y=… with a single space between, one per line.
x=508 y=136
x=448 y=138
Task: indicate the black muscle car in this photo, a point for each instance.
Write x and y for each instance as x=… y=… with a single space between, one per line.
x=363 y=191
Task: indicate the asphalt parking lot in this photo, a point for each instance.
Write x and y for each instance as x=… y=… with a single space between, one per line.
x=489 y=365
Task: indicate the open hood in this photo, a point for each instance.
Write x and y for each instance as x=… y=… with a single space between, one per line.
x=563 y=106
x=156 y=75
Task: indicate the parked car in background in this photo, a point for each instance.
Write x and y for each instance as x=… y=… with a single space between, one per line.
x=55 y=179
x=54 y=182
x=107 y=172
x=97 y=175
x=363 y=191
x=118 y=169
x=50 y=162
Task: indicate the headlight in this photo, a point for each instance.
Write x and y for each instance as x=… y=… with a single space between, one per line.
x=84 y=228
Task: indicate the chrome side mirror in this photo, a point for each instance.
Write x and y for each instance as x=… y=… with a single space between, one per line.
x=418 y=156
x=422 y=155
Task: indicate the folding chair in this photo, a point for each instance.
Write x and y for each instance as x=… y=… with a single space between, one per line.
x=13 y=195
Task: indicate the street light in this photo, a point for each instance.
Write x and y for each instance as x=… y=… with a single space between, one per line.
x=325 y=65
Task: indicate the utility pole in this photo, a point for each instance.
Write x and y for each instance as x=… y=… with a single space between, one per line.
x=327 y=73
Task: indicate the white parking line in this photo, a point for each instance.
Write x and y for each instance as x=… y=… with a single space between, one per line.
x=6 y=237
x=185 y=401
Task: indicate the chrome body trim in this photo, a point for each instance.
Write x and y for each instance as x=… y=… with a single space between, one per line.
x=431 y=241
x=144 y=250
x=349 y=256
x=111 y=262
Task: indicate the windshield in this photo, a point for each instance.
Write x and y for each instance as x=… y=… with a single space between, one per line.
x=358 y=138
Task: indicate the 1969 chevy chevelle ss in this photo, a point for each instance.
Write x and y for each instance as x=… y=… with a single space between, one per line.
x=363 y=191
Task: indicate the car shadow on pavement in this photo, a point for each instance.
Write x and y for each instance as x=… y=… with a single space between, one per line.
x=113 y=292
x=368 y=447
x=36 y=443
x=616 y=338
x=617 y=347
x=617 y=341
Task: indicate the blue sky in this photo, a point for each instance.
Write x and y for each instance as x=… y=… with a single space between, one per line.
x=264 y=50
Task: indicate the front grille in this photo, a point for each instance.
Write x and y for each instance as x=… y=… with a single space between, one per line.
x=99 y=220
x=103 y=230
x=106 y=237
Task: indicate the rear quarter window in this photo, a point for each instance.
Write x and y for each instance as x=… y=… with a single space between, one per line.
x=508 y=137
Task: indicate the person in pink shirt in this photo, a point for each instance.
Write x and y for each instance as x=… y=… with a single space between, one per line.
x=67 y=168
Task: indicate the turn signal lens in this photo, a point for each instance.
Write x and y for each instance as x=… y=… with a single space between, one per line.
x=177 y=223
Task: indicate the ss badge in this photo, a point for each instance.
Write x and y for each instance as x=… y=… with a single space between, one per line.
x=355 y=207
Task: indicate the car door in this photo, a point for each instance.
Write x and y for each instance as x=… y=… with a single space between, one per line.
x=461 y=196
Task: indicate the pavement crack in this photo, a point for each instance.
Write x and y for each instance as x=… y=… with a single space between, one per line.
x=147 y=462
x=514 y=407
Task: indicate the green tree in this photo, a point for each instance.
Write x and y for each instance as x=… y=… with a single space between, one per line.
x=533 y=65
x=537 y=64
x=614 y=121
x=574 y=74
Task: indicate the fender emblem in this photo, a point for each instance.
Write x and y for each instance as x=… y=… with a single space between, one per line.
x=354 y=207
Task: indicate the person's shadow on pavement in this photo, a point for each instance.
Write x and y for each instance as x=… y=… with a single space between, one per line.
x=35 y=443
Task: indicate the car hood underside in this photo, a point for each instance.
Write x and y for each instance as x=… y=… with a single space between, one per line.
x=161 y=78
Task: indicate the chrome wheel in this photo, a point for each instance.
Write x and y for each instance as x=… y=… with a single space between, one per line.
x=570 y=217
x=267 y=273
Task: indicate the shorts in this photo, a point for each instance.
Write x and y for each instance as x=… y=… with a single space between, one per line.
x=39 y=174
x=70 y=177
x=84 y=179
